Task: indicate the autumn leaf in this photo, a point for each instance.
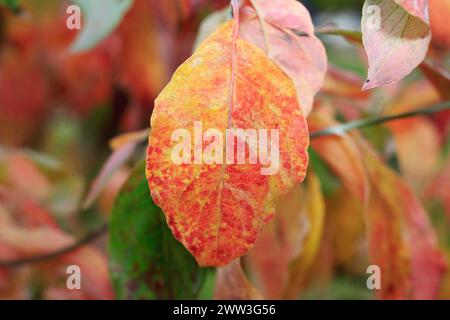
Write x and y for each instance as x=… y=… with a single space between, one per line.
x=397 y=41
x=232 y=284
x=439 y=13
x=417 y=8
x=347 y=231
x=122 y=139
x=401 y=240
x=313 y=213
x=416 y=136
x=273 y=27
x=146 y=63
x=343 y=84
x=439 y=186
x=439 y=76
x=293 y=239
x=74 y=75
x=115 y=161
x=29 y=229
x=218 y=210
x=24 y=91
x=269 y=270
x=23 y=175
x=42 y=239
x=341 y=153
x=146 y=261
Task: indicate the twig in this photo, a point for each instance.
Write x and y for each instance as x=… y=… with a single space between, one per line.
x=337 y=130
x=55 y=254
x=364 y=123
x=331 y=29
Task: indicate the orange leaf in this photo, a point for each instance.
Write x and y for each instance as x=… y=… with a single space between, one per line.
x=314 y=214
x=439 y=13
x=218 y=210
x=415 y=137
x=401 y=240
x=23 y=176
x=340 y=153
x=346 y=228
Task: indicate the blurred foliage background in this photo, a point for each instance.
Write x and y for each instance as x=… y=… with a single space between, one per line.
x=60 y=110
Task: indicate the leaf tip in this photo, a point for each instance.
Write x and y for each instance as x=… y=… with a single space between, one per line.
x=369 y=84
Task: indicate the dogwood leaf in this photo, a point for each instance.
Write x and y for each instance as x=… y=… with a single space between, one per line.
x=396 y=35
x=146 y=261
x=218 y=210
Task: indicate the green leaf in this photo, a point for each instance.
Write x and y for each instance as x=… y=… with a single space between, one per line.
x=13 y=5
x=146 y=260
x=101 y=18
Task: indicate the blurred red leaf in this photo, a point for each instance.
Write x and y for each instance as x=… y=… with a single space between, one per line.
x=341 y=153
x=272 y=26
x=401 y=240
x=232 y=284
x=439 y=13
x=285 y=251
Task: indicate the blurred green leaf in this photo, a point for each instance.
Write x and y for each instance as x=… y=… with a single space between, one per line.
x=328 y=181
x=100 y=19
x=207 y=291
x=343 y=288
x=146 y=260
x=13 y=5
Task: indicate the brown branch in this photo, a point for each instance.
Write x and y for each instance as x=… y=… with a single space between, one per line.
x=55 y=254
x=364 y=123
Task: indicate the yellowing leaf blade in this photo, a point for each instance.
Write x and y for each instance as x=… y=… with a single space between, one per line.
x=218 y=210
x=401 y=240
